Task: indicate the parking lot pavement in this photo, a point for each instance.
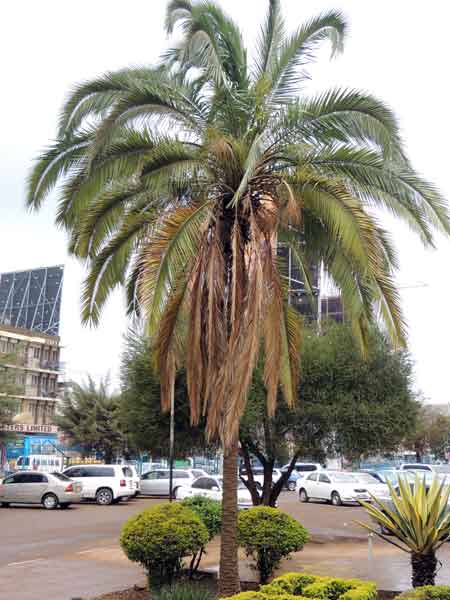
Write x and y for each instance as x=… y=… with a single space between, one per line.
x=76 y=552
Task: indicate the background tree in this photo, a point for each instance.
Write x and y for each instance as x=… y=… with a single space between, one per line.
x=145 y=426
x=179 y=180
x=90 y=418
x=431 y=434
x=346 y=406
x=8 y=389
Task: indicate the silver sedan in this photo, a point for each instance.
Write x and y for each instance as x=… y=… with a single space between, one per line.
x=31 y=487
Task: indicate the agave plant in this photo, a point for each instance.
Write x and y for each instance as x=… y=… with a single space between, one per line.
x=418 y=519
x=179 y=180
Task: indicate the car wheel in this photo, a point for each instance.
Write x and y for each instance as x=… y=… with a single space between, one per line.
x=104 y=496
x=50 y=501
x=303 y=496
x=291 y=486
x=4 y=504
x=336 y=499
x=64 y=505
x=258 y=486
x=176 y=494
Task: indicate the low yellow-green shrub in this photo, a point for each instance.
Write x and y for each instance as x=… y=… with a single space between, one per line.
x=427 y=592
x=303 y=586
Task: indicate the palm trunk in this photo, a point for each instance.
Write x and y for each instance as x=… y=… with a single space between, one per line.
x=423 y=569
x=229 y=565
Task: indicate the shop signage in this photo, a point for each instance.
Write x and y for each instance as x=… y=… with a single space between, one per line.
x=24 y=428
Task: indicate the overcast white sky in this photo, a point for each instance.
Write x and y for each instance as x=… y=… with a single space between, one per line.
x=398 y=50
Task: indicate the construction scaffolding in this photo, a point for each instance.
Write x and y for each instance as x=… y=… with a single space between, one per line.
x=32 y=299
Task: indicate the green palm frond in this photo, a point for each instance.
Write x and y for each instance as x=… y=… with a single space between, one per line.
x=269 y=41
x=54 y=164
x=172 y=246
x=298 y=50
x=108 y=269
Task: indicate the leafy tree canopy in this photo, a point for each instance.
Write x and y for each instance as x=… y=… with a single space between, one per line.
x=8 y=389
x=89 y=416
x=346 y=404
x=146 y=426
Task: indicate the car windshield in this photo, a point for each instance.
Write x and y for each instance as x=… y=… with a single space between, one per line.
x=61 y=477
x=366 y=478
x=342 y=477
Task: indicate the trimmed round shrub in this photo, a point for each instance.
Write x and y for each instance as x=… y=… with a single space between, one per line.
x=160 y=537
x=268 y=535
x=209 y=511
x=427 y=592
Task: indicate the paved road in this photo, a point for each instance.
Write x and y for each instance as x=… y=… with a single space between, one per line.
x=67 y=554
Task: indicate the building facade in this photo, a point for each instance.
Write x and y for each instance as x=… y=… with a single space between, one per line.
x=34 y=359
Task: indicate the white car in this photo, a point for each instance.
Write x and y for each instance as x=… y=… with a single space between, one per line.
x=106 y=484
x=416 y=467
x=371 y=483
x=156 y=482
x=136 y=479
x=336 y=487
x=212 y=487
x=258 y=476
x=303 y=468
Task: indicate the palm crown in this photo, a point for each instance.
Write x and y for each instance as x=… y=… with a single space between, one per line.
x=179 y=180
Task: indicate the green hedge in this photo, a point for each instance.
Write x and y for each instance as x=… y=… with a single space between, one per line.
x=302 y=586
x=428 y=592
x=160 y=537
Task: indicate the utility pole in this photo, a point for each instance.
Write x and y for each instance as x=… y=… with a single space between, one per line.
x=171 y=439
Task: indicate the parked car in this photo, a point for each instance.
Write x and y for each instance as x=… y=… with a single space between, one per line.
x=212 y=487
x=291 y=483
x=337 y=487
x=416 y=467
x=156 y=482
x=303 y=468
x=49 y=489
x=136 y=480
x=258 y=476
x=106 y=484
x=373 y=485
x=44 y=463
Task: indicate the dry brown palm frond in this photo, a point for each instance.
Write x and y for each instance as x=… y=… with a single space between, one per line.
x=168 y=346
x=215 y=325
x=196 y=357
x=273 y=317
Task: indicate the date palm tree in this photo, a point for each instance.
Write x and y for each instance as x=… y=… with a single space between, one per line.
x=179 y=181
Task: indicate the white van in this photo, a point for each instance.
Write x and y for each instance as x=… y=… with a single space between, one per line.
x=106 y=484
x=44 y=463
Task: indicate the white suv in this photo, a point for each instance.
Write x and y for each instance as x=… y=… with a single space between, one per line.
x=106 y=484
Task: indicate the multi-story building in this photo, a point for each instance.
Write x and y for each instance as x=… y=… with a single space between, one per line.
x=34 y=358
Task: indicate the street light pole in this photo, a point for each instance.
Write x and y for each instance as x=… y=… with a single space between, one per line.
x=171 y=439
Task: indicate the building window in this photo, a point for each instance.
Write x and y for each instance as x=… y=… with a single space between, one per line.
x=36 y=352
x=46 y=353
x=34 y=380
x=3 y=346
x=55 y=355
